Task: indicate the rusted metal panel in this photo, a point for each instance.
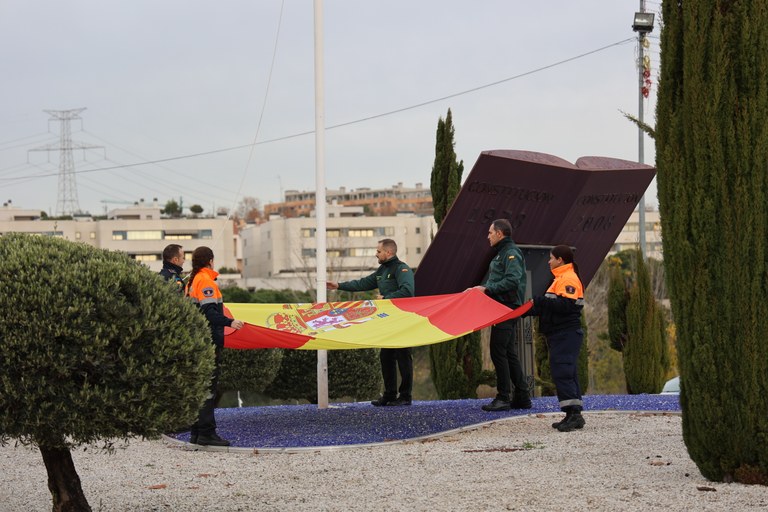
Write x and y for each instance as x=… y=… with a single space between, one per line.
x=548 y=201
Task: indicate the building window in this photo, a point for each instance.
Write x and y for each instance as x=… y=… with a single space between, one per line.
x=78 y=235
x=418 y=231
x=333 y=233
x=308 y=233
x=145 y=235
x=308 y=253
x=93 y=235
x=206 y=233
x=119 y=235
x=418 y=250
x=360 y=233
x=362 y=251
x=146 y=257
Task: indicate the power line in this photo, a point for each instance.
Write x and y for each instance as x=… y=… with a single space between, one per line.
x=356 y=121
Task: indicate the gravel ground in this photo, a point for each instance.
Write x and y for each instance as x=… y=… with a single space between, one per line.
x=620 y=461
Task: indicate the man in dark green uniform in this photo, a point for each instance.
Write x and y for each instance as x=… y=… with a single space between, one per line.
x=394 y=279
x=506 y=284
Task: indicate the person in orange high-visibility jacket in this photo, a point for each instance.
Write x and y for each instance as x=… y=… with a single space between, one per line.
x=559 y=312
x=205 y=293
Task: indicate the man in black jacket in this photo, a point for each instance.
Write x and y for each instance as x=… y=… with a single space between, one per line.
x=506 y=283
x=173 y=260
x=394 y=279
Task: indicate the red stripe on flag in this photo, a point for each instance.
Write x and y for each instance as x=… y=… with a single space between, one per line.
x=254 y=336
x=449 y=313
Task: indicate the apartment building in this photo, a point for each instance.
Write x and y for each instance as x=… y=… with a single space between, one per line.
x=629 y=238
x=383 y=201
x=139 y=230
x=282 y=253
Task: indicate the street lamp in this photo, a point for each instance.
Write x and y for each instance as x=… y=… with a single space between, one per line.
x=642 y=24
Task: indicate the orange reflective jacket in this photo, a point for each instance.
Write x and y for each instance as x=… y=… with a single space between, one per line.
x=205 y=293
x=560 y=308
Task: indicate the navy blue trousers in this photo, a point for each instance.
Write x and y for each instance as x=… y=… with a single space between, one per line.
x=564 y=348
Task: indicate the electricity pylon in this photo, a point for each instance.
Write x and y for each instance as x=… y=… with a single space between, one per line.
x=67 y=202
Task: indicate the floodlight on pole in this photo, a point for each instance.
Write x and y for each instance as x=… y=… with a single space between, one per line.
x=642 y=24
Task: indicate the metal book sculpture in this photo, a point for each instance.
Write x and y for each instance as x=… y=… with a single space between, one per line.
x=548 y=201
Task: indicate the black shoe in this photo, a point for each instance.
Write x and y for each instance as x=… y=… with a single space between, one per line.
x=521 y=402
x=399 y=402
x=382 y=400
x=211 y=440
x=497 y=405
x=576 y=421
x=193 y=438
x=565 y=419
x=180 y=430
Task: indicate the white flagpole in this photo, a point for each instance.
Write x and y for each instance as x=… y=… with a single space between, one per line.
x=322 y=355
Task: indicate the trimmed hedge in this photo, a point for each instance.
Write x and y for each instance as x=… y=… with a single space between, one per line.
x=94 y=346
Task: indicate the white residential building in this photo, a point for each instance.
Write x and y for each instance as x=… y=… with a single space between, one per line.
x=281 y=253
x=138 y=230
x=629 y=238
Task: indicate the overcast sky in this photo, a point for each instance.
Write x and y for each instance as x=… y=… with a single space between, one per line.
x=188 y=81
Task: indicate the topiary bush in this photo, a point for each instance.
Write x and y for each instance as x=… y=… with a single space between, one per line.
x=456 y=367
x=351 y=373
x=95 y=346
x=249 y=370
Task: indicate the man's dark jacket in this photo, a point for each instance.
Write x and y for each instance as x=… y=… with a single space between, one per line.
x=506 y=275
x=393 y=278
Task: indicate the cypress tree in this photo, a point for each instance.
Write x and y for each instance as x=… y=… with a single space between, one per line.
x=645 y=355
x=712 y=161
x=445 y=180
x=617 y=308
x=456 y=365
x=583 y=362
x=541 y=359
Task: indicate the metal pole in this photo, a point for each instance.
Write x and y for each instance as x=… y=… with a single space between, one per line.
x=641 y=134
x=320 y=256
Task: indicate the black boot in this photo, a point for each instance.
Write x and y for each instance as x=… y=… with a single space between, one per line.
x=576 y=421
x=498 y=404
x=521 y=401
x=568 y=414
x=211 y=440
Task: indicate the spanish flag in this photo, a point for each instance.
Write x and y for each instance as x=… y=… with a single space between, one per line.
x=395 y=323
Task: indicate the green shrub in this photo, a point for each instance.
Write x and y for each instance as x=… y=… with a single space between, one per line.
x=351 y=373
x=94 y=346
x=456 y=367
x=249 y=370
x=646 y=359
